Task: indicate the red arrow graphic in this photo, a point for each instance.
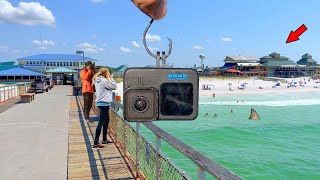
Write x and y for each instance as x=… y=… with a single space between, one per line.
x=294 y=36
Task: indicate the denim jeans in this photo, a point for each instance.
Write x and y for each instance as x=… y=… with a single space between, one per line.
x=103 y=123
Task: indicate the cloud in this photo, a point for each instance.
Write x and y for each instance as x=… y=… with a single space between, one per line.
x=4 y=48
x=125 y=50
x=197 y=47
x=44 y=44
x=154 y=50
x=90 y=48
x=226 y=39
x=97 y=1
x=135 y=44
x=152 y=38
x=27 y=13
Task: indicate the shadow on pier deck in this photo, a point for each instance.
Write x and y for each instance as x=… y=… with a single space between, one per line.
x=87 y=163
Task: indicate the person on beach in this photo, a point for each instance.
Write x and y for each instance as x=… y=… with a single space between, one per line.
x=215 y=115
x=206 y=114
x=86 y=76
x=231 y=111
x=104 y=84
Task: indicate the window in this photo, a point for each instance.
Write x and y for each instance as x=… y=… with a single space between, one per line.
x=54 y=63
x=60 y=63
x=67 y=63
x=27 y=62
x=64 y=64
x=38 y=62
x=74 y=63
x=48 y=64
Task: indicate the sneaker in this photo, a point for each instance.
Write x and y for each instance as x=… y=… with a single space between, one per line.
x=97 y=146
x=106 y=142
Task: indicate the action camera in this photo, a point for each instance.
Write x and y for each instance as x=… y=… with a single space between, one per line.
x=160 y=94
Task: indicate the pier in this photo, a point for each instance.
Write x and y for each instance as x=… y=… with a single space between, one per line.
x=49 y=139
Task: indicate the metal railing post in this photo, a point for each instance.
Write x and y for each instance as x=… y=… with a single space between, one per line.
x=158 y=165
x=137 y=148
x=201 y=174
x=124 y=139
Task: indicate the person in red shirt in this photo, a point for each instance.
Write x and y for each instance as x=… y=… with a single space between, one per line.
x=86 y=76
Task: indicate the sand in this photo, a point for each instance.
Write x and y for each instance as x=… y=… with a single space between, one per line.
x=221 y=86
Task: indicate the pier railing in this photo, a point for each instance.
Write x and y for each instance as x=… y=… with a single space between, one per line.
x=9 y=92
x=147 y=159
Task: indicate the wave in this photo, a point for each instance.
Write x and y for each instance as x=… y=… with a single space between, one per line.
x=301 y=102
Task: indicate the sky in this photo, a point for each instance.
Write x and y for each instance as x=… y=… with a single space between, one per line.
x=111 y=30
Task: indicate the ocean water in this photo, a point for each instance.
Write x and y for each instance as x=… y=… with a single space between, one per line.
x=284 y=144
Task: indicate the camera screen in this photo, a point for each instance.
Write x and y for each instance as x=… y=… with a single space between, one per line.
x=176 y=99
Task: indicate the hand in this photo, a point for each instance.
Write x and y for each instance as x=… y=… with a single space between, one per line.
x=111 y=76
x=156 y=9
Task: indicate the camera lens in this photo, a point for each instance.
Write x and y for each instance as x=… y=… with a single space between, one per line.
x=141 y=104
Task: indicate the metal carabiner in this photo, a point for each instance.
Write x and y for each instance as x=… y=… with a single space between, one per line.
x=157 y=57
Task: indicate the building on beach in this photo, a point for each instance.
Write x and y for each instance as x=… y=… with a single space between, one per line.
x=311 y=64
x=43 y=62
x=242 y=66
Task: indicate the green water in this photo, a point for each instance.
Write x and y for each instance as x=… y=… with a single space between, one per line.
x=284 y=144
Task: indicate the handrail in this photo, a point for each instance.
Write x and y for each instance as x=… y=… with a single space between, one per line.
x=204 y=163
x=9 y=92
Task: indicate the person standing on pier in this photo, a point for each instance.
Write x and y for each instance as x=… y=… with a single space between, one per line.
x=86 y=76
x=104 y=84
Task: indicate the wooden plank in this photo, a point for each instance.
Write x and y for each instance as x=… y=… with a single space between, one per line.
x=87 y=163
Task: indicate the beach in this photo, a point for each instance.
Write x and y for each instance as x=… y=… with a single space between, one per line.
x=220 y=87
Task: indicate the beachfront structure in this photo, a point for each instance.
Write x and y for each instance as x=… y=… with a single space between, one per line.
x=281 y=66
x=18 y=74
x=242 y=66
x=43 y=62
x=312 y=65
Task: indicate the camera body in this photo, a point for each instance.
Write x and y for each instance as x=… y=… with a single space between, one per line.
x=160 y=94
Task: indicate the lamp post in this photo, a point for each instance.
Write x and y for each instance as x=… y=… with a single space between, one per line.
x=80 y=52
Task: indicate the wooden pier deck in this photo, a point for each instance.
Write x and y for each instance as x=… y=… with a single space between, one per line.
x=86 y=163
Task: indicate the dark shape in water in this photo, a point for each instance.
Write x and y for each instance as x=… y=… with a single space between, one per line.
x=254 y=115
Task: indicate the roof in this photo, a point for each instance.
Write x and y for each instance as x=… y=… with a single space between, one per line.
x=274 y=55
x=233 y=70
x=61 y=70
x=248 y=64
x=19 y=71
x=278 y=63
x=306 y=60
x=9 y=63
x=121 y=68
x=5 y=67
x=227 y=66
x=241 y=58
x=60 y=57
x=307 y=56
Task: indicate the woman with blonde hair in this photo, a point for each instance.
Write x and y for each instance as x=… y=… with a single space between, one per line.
x=104 y=84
